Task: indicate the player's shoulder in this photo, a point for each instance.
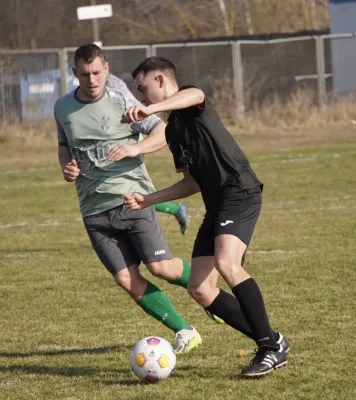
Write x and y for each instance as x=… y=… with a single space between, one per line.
x=115 y=82
x=115 y=93
x=64 y=99
x=123 y=97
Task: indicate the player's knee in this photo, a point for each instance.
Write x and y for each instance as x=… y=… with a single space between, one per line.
x=124 y=280
x=159 y=269
x=223 y=264
x=198 y=293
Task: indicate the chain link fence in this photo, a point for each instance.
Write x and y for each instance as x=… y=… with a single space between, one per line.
x=26 y=82
x=237 y=75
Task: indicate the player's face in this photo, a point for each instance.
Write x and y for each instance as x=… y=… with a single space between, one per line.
x=151 y=87
x=92 y=77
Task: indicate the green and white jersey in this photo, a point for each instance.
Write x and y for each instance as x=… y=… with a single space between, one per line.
x=90 y=130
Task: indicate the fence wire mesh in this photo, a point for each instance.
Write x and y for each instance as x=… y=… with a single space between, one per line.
x=235 y=75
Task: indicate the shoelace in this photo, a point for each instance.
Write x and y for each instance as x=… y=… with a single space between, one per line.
x=259 y=355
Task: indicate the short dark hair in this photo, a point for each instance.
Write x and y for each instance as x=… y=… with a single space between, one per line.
x=156 y=64
x=88 y=52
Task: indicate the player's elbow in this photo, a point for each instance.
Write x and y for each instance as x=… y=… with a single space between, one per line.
x=200 y=96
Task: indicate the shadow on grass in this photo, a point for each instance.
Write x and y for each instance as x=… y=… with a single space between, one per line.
x=84 y=350
x=123 y=377
x=46 y=370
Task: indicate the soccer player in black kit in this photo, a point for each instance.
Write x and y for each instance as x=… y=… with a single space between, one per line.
x=213 y=164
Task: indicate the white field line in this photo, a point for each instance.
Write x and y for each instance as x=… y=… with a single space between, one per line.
x=28 y=170
x=200 y=213
x=311 y=210
x=16 y=255
x=347 y=197
x=47 y=223
x=262 y=161
x=267 y=252
x=61 y=348
x=291 y=160
x=276 y=251
x=54 y=223
x=275 y=211
x=10 y=383
x=34 y=185
x=300 y=158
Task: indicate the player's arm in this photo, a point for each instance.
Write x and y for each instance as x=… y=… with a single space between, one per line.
x=183 y=188
x=69 y=167
x=152 y=127
x=155 y=141
x=186 y=98
x=64 y=156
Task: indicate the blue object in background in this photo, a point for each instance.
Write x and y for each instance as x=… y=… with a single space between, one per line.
x=39 y=92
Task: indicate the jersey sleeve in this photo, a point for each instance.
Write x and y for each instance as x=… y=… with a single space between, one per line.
x=194 y=110
x=128 y=100
x=61 y=136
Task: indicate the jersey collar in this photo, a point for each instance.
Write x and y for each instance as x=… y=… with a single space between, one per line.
x=90 y=101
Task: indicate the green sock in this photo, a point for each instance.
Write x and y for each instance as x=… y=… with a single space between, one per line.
x=155 y=303
x=184 y=279
x=167 y=207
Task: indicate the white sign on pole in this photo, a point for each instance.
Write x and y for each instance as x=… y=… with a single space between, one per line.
x=91 y=12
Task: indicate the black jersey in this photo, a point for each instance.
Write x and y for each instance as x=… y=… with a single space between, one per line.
x=200 y=144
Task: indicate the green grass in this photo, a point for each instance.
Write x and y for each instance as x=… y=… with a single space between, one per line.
x=67 y=330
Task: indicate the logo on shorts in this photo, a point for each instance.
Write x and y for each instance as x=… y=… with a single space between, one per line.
x=227 y=222
x=158 y=252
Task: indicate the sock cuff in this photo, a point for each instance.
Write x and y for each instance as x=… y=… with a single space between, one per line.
x=243 y=286
x=184 y=279
x=220 y=298
x=150 y=289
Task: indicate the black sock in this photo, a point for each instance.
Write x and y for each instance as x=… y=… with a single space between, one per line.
x=250 y=298
x=226 y=307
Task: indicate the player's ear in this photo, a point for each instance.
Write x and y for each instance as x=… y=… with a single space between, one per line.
x=75 y=73
x=159 y=78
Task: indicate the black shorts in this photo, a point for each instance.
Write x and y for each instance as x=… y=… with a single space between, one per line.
x=237 y=215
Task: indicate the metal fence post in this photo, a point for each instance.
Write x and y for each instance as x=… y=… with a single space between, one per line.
x=2 y=92
x=148 y=51
x=63 y=70
x=153 y=51
x=320 y=68
x=238 y=79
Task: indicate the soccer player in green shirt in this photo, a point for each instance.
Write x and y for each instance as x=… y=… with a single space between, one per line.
x=103 y=157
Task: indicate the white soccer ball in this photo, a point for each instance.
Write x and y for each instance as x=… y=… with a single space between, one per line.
x=152 y=359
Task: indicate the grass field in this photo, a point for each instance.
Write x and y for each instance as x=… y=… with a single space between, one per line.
x=67 y=330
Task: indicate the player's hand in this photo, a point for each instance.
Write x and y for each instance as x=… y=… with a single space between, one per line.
x=121 y=151
x=135 y=201
x=135 y=114
x=71 y=171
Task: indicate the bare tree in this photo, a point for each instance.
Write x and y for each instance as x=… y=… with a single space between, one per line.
x=53 y=23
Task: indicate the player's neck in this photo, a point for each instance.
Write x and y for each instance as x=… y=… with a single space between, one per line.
x=171 y=90
x=83 y=97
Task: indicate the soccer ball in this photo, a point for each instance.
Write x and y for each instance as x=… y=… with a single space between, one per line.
x=153 y=359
